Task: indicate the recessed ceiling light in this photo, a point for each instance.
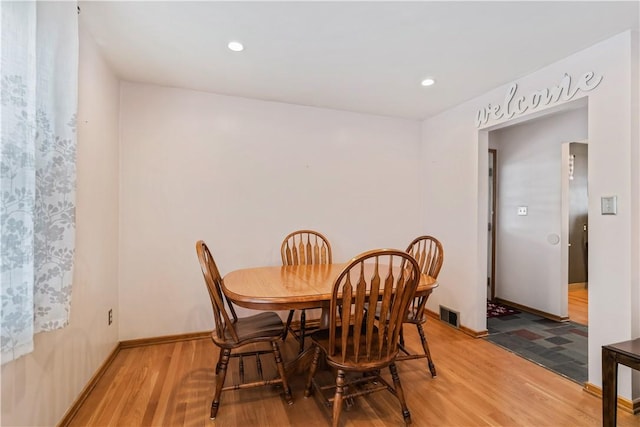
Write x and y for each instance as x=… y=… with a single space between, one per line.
x=235 y=46
x=427 y=82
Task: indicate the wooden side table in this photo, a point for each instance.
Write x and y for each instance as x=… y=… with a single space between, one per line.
x=627 y=353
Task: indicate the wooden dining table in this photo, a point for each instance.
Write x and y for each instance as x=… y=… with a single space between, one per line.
x=293 y=287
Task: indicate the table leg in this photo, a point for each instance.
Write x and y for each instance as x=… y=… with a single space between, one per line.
x=324 y=317
x=609 y=388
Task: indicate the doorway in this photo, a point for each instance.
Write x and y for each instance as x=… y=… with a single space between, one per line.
x=528 y=235
x=491 y=215
x=530 y=262
x=578 y=229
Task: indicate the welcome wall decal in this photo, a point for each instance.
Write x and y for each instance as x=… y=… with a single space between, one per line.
x=513 y=105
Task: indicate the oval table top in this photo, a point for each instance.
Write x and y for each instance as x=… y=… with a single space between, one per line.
x=291 y=287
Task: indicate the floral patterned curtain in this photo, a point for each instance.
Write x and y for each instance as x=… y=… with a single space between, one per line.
x=39 y=76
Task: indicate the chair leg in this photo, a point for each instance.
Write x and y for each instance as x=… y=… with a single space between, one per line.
x=312 y=371
x=280 y=365
x=402 y=335
x=337 y=399
x=219 y=359
x=396 y=384
x=222 y=373
x=425 y=346
x=303 y=321
x=288 y=325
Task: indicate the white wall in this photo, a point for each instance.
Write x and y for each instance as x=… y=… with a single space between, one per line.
x=528 y=265
x=37 y=389
x=454 y=160
x=241 y=174
x=635 y=191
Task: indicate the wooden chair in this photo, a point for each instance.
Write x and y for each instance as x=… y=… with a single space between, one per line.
x=428 y=252
x=304 y=247
x=232 y=333
x=358 y=340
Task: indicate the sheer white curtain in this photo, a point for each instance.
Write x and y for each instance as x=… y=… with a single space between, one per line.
x=39 y=70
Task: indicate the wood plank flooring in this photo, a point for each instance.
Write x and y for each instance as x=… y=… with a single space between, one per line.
x=478 y=384
x=579 y=304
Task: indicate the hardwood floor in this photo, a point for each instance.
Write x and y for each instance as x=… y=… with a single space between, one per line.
x=579 y=303
x=478 y=384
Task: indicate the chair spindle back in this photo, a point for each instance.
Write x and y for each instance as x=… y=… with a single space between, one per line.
x=386 y=275
x=225 y=321
x=428 y=252
x=305 y=247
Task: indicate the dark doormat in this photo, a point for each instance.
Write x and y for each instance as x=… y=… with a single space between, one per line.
x=495 y=309
x=559 y=346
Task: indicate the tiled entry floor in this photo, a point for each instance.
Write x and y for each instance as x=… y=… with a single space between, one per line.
x=558 y=346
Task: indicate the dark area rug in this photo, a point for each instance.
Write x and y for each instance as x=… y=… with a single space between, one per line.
x=559 y=346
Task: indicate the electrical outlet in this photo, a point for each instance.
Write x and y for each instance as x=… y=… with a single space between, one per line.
x=522 y=210
x=110 y=316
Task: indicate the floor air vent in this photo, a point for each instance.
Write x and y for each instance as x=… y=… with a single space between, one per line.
x=449 y=316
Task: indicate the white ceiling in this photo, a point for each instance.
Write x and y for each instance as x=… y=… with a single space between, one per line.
x=365 y=57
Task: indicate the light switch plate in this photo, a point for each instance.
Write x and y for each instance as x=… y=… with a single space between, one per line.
x=522 y=210
x=608 y=205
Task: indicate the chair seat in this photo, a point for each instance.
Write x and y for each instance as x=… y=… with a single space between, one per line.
x=321 y=338
x=259 y=327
